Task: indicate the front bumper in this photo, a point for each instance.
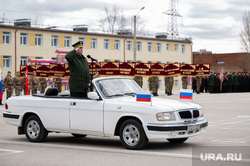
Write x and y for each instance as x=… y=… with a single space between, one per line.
x=175 y=130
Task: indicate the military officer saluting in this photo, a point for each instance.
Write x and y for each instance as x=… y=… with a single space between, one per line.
x=79 y=71
x=34 y=83
x=18 y=84
x=9 y=84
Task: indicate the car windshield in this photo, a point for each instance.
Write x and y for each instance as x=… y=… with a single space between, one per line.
x=118 y=87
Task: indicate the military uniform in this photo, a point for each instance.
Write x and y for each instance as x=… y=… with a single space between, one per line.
x=139 y=80
x=211 y=83
x=168 y=84
x=172 y=84
x=79 y=73
x=198 y=84
x=18 y=85
x=58 y=84
x=34 y=84
x=153 y=84
x=9 y=84
x=184 y=80
x=43 y=84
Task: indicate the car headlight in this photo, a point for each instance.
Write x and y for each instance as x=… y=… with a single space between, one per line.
x=201 y=113
x=165 y=116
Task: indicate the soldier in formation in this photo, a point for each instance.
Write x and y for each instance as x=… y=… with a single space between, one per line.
x=139 y=80
x=168 y=85
x=58 y=84
x=43 y=84
x=198 y=84
x=9 y=84
x=153 y=84
x=34 y=83
x=18 y=84
x=184 y=80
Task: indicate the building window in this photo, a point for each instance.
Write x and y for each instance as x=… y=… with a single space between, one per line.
x=67 y=41
x=176 y=47
x=6 y=37
x=82 y=39
x=93 y=43
x=168 y=47
x=139 y=47
x=107 y=60
x=129 y=61
x=54 y=41
x=6 y=62
x=24 y=60
x=158 y=47
x=38 y=39
x=150 y=47
x=117 y=44
x=106 y=44
x=24 y=39
x=129 y=45
x=176 y=83
x=183 y=49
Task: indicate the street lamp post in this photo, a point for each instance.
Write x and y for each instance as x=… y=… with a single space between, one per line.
x=135 y=44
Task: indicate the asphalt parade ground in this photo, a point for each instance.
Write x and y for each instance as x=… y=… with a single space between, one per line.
x=228 y=118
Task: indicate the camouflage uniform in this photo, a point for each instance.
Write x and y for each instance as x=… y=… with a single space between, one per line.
x=34 y=84
x=184 y=80
x=168 y=85
x=198 y=84
x=9 y=84
x=58 y=84
x=139 y=80
x=18 y=85
x=172 y=84
x=43 y=84
x=153 y=84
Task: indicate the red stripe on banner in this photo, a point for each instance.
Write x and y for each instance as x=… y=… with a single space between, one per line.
x=186 y=97
x=144 y=99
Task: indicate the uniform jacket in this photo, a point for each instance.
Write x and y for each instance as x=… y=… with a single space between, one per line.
x=79 y=72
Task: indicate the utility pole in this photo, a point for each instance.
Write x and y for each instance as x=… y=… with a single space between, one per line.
x=172 y=19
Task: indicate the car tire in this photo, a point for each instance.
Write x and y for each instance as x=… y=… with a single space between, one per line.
x=132 y=135
x=78 y=135
x=34 y=130
x=177 y=140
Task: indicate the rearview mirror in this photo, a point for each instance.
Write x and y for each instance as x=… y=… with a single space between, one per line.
x=93 y=96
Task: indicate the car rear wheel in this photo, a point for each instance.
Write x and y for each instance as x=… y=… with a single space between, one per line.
x=78 y=135
x=132 y=135
x=34 y=130
x=177 y=140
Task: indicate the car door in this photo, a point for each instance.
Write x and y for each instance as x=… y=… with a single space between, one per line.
x=86 y=115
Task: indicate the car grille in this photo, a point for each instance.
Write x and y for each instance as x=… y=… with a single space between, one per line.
x=189 y=114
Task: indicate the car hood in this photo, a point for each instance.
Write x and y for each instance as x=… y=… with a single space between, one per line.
x=166 y=104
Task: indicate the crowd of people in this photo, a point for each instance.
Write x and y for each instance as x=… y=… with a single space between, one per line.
x=222 y=83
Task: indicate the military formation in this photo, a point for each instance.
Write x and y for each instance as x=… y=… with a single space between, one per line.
x=17 y=84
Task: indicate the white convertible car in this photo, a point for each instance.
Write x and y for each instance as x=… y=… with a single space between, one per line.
x=117 y=107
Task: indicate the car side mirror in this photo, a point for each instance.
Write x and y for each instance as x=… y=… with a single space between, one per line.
x=93 y=96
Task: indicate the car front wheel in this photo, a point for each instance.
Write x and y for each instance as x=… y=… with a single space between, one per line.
x=34 y=130
x=132 y=135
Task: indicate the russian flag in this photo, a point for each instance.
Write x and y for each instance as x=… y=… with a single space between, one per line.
x=143 y=97
x=186 y=94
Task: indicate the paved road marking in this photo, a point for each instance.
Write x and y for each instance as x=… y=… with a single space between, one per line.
x=7 y=151
x=109 y=150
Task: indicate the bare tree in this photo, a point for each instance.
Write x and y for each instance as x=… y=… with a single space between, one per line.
x=245 y=39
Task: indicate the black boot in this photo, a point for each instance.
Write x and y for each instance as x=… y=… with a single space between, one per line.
x=1 y=102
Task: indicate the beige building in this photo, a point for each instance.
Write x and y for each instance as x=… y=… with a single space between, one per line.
x=20 y=42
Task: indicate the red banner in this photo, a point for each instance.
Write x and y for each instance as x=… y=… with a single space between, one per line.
x=127 y=69
x=109 y=68
x=157 y=69
x=202 y=69
x=42 y=70
x=142 y=68
x=187 y=70
x=56 y=70
x=172 y=69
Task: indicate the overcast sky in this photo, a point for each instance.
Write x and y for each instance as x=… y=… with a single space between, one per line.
x=214 y=25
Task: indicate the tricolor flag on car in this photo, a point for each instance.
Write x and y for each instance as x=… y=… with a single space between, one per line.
x=143 y=97
x=186 y=94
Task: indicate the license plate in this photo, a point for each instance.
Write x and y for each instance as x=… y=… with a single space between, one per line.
x=194 y=127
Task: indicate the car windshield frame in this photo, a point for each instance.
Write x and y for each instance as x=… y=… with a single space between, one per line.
x=117 y=87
